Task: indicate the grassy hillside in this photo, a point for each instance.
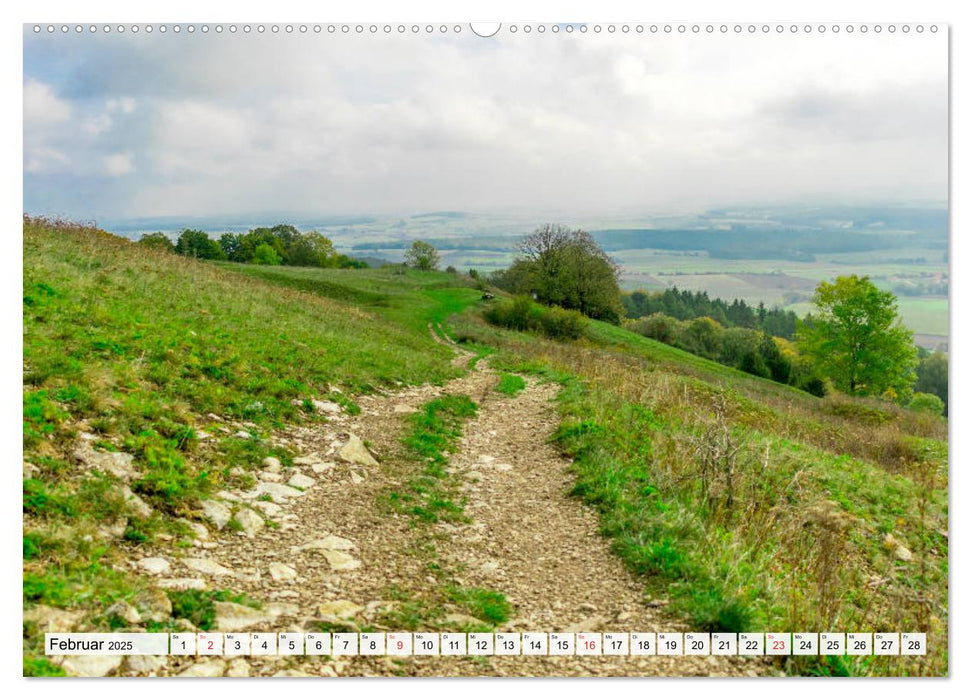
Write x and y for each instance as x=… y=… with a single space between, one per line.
x=750 y=505
x=184 y=365
x=746 y=504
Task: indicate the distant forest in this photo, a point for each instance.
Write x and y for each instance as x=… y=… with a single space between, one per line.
x=686 y=305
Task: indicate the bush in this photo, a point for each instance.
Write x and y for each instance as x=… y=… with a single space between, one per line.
x=815 y=386
x=516 y=314
x=658 y=326
x=561 y=324
x=926 y=403
x=522 y=314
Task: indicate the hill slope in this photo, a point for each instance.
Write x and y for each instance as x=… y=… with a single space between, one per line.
x=156 y=388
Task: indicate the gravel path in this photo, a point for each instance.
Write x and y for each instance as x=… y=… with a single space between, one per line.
x=336 y=552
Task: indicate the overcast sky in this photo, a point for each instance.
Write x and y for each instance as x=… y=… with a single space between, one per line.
x=152 y=125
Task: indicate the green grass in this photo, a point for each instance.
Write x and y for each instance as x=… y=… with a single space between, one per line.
x=431 y=495
x=198 y=606
x=146 y=350
x=510 y=384
x=816 y=486
x=138 y=348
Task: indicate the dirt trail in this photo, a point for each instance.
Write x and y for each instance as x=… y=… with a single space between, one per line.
x=527 y=539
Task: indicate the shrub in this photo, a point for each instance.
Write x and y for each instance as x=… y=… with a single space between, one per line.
x=516 y=314
x=815 y=386
x=522 y=314
x=658 y=326
x=562 y=324
x=926 y=403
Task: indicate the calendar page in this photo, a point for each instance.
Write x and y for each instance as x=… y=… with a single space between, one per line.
x=462 y=349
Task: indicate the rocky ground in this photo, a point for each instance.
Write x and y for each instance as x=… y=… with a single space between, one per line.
x=314 y=544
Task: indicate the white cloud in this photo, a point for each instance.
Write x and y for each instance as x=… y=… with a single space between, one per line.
x=593 y=122
x=45 y=160
x=119 y=164
x=42 y=106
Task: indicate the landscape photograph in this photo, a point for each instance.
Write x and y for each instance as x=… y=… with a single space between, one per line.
x=467 y=350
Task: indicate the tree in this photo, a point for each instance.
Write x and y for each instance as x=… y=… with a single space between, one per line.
x=265 y=255
x=197 y=244
x=311 y=249
x=157 y=240
x=857 y=339
x=568 y=269
x=422 y=256
x=932 y=376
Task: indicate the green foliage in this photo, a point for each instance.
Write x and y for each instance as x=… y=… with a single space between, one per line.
x=522 y=314
x=932 y=376
x=510 y=384
x=198 y=244
x=157 y=240
x=685 y=305
x=926 y=403
x=856 y=338
x=422 y=256
x=264 y=254
x=567 y=269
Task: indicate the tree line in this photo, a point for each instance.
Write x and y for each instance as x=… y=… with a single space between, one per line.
x=282 y=244
x=685 y=305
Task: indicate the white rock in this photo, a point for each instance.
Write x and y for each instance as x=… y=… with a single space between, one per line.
x=50 y=619
x=489 y=567
x=250 y=521
x=153 y=565
x=357 y=478
x=270 y=476
x=233 y=617
x=282 y=572
x=210 y=668
x=217 y=513
x=356 y=452
x=238 y=668
x=332 y=542
x=135 y=504
x=327 y=406
x=242 y=434
x=279 y=493
x=300 y=481
x=119 y=464
x=124 y=610
x=272 y=464
x=404 y=408
x=320 y=467
x=200 y=531
x=143 y=663
x=182 y=584
x=269 y=508
x=91 y=666
x=207 y=566
x=340 y=561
